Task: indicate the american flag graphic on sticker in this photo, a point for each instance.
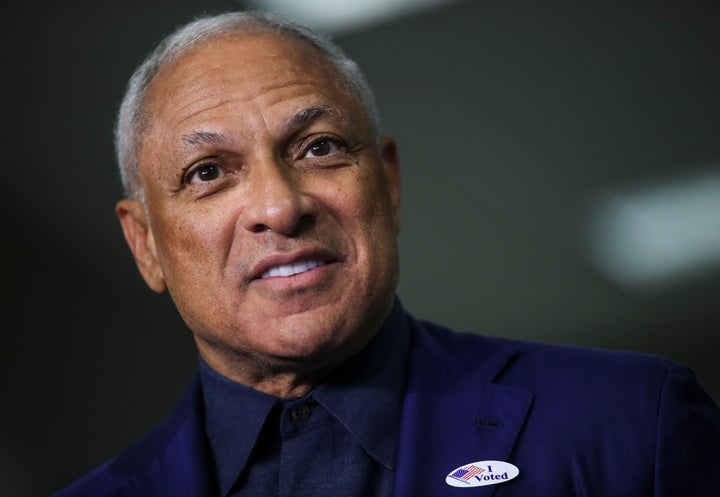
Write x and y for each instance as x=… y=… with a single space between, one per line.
x=467 y=472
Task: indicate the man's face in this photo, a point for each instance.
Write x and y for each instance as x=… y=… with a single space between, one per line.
x=272 y=210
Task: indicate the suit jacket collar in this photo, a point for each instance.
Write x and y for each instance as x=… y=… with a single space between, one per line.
x=174 y=459
x=453 y=413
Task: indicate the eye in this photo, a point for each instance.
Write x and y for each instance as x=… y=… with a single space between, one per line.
x=203 y=174
x=322 y=148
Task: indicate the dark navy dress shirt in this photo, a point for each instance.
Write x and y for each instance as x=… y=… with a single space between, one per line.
x=339 y=440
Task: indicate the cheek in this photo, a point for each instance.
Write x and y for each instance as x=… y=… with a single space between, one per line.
x=368 y=212
x=190 y=240
x=354 y=206
x=373 y=202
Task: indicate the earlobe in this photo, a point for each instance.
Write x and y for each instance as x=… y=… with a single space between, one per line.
x=139 y=237
x=391 y=163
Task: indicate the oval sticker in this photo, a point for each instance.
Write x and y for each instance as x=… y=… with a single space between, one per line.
x=480 y=473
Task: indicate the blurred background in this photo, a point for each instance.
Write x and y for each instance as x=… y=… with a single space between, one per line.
x=561 y=183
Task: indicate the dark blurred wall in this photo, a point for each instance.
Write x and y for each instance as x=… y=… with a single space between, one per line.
x=508 y=115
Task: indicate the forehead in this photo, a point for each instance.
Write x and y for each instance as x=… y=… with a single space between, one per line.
x=259 y=69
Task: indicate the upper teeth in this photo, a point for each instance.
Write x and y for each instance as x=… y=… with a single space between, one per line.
x=291 y=269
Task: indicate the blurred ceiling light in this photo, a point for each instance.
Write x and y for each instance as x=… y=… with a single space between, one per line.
x=338 y=16
x=654 y=236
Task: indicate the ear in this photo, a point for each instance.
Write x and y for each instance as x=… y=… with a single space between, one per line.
x=391 y=164
x=139 y=237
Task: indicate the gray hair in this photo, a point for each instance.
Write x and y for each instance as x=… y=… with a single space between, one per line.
x=133 y=115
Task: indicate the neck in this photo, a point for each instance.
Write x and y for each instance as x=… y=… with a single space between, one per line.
x=280 y=378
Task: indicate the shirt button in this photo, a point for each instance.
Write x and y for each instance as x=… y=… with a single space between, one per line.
x=300 y=413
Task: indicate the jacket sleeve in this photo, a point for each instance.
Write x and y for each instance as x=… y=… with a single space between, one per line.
x=687 y=460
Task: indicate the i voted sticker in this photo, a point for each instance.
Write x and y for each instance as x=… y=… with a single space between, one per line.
x=480 y=473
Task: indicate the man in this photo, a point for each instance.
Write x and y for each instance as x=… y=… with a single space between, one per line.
x=262 y=198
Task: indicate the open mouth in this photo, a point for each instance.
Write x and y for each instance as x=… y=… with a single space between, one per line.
x=292 y=269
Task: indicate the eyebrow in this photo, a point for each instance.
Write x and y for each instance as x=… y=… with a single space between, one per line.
x=306 y=116
x=198 y=138
x=294 y=123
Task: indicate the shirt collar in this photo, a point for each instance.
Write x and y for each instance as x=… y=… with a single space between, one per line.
x=234 y=416
x=364 y=394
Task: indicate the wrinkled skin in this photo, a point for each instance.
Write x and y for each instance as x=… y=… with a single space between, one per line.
x=256 y=157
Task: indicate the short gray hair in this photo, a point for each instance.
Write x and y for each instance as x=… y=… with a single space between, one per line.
x=133 y=116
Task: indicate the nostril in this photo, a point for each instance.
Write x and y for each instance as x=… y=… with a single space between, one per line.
x=306 y=221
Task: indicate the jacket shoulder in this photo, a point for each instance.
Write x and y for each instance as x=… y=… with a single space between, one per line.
x=536 y=363
x=101 y=482
x=164 y=461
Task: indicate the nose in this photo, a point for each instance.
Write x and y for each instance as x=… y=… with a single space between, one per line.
x=276 y=200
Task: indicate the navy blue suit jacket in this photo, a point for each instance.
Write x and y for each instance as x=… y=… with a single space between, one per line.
x=574 y=421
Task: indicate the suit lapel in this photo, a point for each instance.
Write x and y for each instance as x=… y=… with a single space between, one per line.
x=452 y=414
x=174 y=458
